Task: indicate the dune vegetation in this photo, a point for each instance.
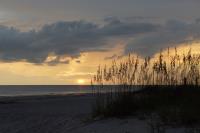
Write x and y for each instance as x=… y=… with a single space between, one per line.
x=163 y=87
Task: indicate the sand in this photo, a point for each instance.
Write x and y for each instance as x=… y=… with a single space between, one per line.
x=62 y=114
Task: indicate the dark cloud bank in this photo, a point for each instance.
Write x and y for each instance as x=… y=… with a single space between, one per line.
x=72 y=38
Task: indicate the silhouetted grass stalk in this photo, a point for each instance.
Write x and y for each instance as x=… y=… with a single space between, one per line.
x=116 y=86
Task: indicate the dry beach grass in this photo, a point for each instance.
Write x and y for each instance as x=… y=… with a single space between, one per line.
x=168 y=88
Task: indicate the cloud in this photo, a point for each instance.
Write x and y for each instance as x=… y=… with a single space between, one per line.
x=65 y=39
x=70 y=39
x=115 y=56
x=170 y=34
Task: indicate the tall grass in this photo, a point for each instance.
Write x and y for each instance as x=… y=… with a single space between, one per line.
x=148 y=85
x=169 y=70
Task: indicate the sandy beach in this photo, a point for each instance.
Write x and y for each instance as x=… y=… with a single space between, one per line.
x=62 y=114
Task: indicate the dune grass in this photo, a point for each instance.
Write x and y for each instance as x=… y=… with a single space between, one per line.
x=167 y=86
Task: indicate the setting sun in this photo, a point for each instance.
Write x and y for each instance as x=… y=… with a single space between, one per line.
x=80 y=81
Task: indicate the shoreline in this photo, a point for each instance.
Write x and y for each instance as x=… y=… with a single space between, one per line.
x=44 y=95
x=27 y=98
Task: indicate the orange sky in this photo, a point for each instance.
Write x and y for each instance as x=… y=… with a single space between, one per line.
x=72 y=73
x=64 y=41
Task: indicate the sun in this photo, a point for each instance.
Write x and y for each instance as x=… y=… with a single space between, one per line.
x=80 y=81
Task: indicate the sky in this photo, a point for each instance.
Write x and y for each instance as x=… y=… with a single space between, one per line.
x=63 y=41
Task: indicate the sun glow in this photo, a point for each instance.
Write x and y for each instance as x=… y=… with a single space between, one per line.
x=80 y=81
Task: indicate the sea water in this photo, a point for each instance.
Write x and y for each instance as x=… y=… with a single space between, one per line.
x=26 y=90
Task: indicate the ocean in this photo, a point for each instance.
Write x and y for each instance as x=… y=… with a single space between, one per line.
x=29 y=90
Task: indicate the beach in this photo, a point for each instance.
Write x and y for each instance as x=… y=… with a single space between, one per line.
x=62 y=114
x=43 y=114
x=53 y=114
